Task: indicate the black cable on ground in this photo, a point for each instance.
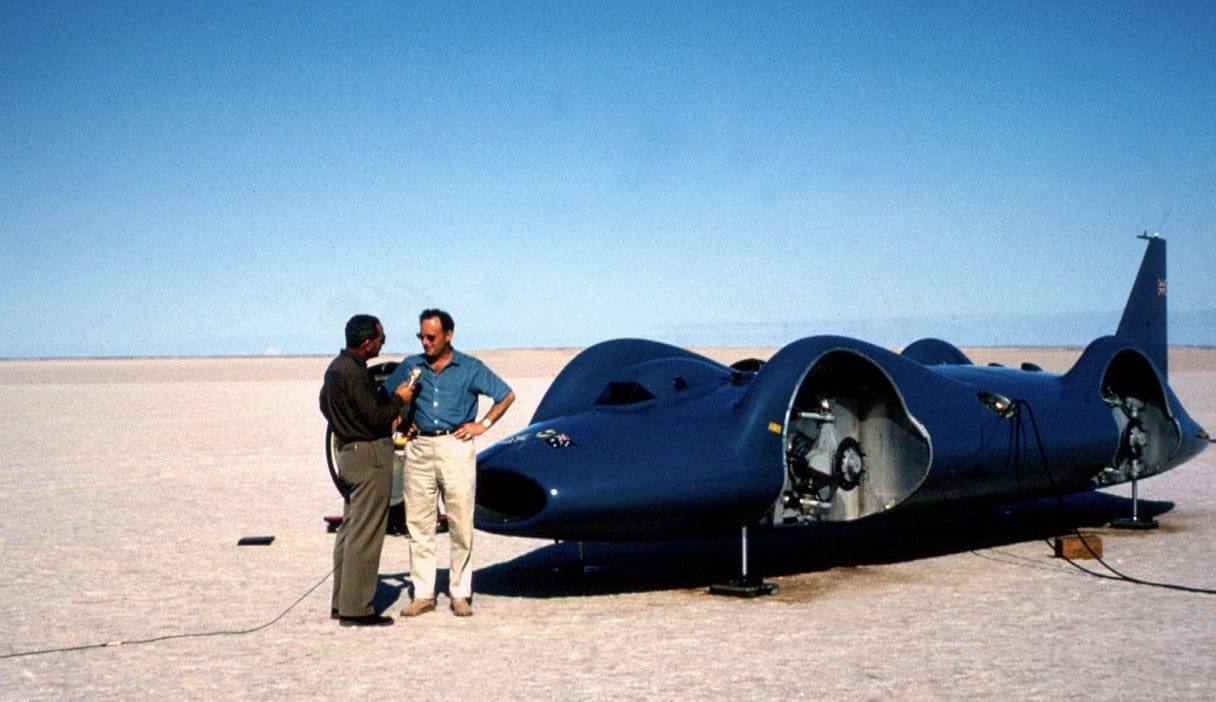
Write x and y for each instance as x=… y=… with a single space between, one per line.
x=200 y=634
x=1117 y=575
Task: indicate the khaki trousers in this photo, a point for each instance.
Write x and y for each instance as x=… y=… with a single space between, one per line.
x=367 y=467
x=431 y=464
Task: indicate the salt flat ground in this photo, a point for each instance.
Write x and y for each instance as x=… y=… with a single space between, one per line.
x=127 y=483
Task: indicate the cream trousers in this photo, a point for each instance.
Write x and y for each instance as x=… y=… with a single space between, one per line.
x=433 y=464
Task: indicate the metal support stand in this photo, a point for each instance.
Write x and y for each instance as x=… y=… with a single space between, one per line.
x=745 y=585
x=579 y=568
x=1135 y=521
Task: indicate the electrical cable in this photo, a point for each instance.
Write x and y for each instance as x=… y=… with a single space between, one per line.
x=167 y=637
x=1117 y=575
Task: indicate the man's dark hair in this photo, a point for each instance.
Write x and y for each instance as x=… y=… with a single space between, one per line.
x=445 y=319
x=360 y=328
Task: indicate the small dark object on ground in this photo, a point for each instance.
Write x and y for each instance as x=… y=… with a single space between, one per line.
x=255 y=541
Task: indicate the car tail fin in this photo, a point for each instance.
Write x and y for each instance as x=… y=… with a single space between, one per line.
x=1144 y=317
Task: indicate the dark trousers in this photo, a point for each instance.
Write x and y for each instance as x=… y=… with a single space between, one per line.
x=367 y=466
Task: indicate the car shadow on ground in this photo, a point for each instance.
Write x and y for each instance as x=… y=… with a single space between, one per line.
x=605 y=568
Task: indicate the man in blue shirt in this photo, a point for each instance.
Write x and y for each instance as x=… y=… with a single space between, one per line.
x=442 y=456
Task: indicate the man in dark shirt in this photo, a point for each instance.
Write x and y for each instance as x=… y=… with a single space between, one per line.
x=362 y=421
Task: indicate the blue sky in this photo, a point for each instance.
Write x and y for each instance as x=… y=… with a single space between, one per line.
x=239 y=178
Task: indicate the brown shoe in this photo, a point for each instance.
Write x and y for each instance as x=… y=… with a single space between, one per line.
x=461 y=607
x=418 y=607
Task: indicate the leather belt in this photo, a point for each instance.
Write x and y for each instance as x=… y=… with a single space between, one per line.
x=437 y=432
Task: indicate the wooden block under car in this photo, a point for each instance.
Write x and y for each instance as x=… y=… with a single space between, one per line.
x=1074 y=548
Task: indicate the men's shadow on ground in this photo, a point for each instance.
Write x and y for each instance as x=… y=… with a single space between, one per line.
x=390 y=587
x=555 y=570
x=393 y=588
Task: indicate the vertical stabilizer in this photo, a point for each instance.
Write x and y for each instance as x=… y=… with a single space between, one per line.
x=1144 y=318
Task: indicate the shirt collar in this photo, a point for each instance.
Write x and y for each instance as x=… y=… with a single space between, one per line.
x=455 y=361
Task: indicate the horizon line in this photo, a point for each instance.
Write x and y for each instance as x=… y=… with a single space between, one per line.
x=254 y=356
